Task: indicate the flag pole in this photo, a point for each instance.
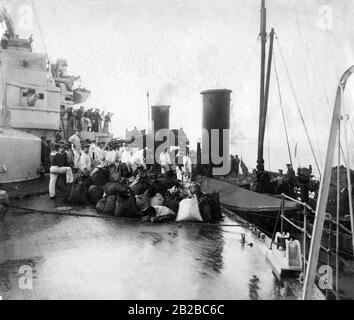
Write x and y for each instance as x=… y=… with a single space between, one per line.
x=148 y=109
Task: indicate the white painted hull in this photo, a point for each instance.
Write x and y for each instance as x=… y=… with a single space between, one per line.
x=20 y=156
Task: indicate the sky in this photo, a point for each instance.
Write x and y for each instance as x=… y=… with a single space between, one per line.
x=176 y=49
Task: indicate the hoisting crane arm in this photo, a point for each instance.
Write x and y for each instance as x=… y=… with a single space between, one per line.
x=4 y=16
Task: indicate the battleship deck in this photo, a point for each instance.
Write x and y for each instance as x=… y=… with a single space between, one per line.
x=243 y=200
x=90 y=258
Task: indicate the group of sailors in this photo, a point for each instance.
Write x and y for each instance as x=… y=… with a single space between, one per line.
x=70 y=156
x=88 y=120
x=5 y=38
x=87 y=154
x=286 y=183
x=182 y=164
x=83 y=157
x=236 y=164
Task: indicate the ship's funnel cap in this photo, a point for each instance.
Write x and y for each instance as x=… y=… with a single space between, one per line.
x=216 y=91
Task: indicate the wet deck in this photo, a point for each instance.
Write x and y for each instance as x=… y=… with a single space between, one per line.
x=90 y=258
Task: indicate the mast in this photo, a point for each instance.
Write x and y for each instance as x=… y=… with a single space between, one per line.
x=263 y=36
x=269 y=69
x=262 y=125
x=324 y=190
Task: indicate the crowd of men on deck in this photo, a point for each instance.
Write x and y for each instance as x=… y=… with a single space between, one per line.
x=5 y=38
x=280 y=183
x=92 y=120
x=77 y=156
x=285 y=183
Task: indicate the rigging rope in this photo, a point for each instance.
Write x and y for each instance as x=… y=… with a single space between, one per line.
x=351 y=127
x=305 y=58
x=282 y=110
x=268 y=145
x=40 y=30
x=298 y=108
x=108 y=217
x=348 y=172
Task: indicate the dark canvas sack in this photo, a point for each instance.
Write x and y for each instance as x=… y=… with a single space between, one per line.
x=95 y=193
x=101 y=176
x=126 y=207
x=214 y=203
x=110 y=205
x=100 y=205
x=114 y=188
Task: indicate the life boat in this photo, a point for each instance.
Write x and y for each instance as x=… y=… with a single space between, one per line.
x=80 y=95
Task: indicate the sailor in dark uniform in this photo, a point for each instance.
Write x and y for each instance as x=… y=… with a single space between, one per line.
x=71 y=119
x=5 y=40
x=45 y=152
x=96 y=118
x=290 y=181
x=79 y=116
x=237 y=164
x=244 y=168
x=30 y=41
x=304 y=175
x=58 y=166
x=279 y=188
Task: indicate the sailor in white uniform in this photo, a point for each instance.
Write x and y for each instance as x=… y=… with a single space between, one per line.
x=85 y=165
x=165 y=161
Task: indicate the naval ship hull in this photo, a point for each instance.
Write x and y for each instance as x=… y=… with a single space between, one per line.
x=20 y=156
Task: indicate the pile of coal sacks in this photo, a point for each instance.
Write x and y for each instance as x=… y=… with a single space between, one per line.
x=151 y=199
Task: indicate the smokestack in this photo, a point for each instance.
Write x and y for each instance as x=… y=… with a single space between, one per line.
x=216 y=115
x=160 y=116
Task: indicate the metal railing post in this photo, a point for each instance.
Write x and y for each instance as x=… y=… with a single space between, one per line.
x=305 y=238
x=282 y=214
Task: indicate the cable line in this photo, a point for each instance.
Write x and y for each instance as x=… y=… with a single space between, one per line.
x=298 y=107
x=282 y=110
x=40 y=30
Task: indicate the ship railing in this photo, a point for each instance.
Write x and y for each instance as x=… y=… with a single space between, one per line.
x=69 y=131
x=298 y=202
x=329 y=216
x=303 y=229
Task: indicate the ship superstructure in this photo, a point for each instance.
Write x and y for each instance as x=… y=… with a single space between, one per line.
x=34 y=98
